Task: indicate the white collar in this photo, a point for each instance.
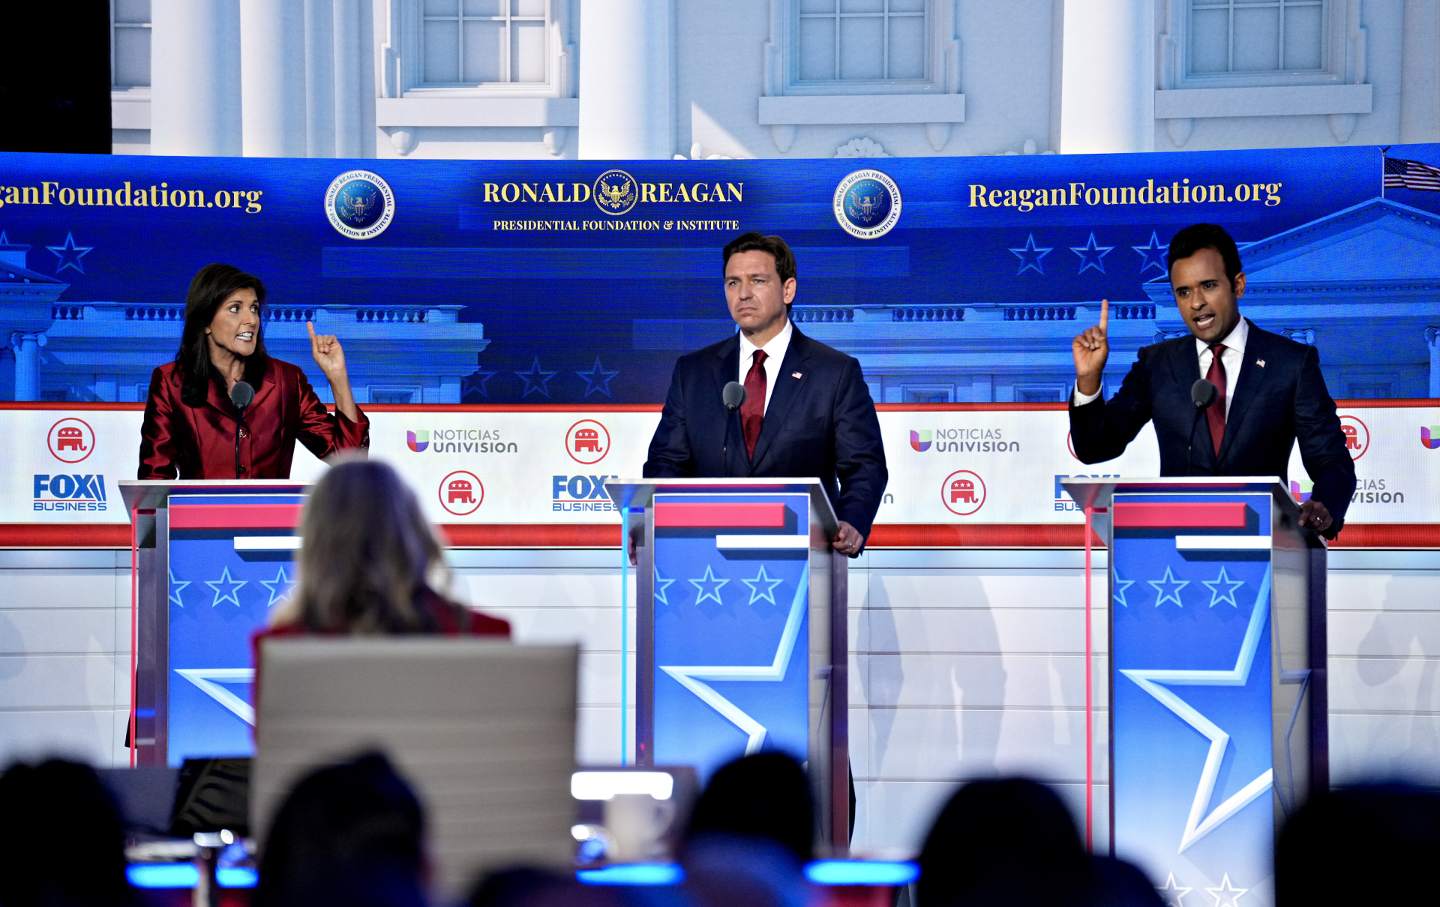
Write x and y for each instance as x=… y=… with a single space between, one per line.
x=774 y=349
x=1235 y=340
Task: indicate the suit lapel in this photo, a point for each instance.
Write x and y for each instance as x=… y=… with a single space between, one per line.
x=787 y=388
x=1252 y=379
x=723 y=369
x=1184 y=367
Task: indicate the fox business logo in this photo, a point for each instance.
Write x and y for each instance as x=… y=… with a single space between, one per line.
x=615 y=192
x=1063 y=502
x=580 y=494
x=70 y=492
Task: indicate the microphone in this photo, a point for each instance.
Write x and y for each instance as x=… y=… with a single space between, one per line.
x=1202 y=394
x=240 y=395
x=732 y=395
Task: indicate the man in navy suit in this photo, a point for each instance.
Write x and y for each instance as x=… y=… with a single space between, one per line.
x=806 y=410
x=1269 y=392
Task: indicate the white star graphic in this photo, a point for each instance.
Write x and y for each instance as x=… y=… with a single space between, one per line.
x=1225 y=894
x=1120 y=586
x=211 y=682
x=693 y=677
x=232 y=588
x=709 y=586
x=1168 y=581
x=662 y=588
x=1157 y=683
x=279 y=586
x=176 y=587
x=1225 y=595
x=763 y=595
x=1172 y=894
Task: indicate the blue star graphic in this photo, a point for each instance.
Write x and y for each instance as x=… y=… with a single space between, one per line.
x=1170 y=583
x=662 y=588
x=1030 y=256
x=598 y=379
x=176 y=585
x=1092 y=255
x=4 y=238
x=478 y=382
x=1120 y=586
x=709 y=586
x=69 y=254
x=1219 y=595
x=537 y=380
x=1157 y=683
x=279 y=586
x=756 y=593
x=1151 y=256
x=232 y=588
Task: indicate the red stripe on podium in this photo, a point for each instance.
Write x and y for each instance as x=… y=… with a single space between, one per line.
x=720 y=516
x=1207 y=515
x=235 y=516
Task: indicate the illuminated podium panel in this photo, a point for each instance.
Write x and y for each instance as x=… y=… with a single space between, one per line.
x=1216 y=675
x=211 y=561
x=740 y=628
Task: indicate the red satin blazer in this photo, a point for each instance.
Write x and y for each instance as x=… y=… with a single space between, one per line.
x=198 y=442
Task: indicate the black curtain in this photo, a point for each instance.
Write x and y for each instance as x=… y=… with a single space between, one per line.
x=55 y=77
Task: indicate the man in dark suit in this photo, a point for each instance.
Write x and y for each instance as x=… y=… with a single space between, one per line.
x=806 y=410
x=1269 y=390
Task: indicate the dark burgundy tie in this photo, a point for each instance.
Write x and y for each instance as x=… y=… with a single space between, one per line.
x=752 y=411
x=1215 y=415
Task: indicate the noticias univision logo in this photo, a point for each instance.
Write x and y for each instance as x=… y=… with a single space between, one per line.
x=1430 y=437
x=920 y=440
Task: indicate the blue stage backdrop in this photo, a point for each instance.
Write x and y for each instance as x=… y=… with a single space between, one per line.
x=578 y=282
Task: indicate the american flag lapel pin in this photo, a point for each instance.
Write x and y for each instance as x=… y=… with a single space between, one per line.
x=796 y=375
x=1260 y=362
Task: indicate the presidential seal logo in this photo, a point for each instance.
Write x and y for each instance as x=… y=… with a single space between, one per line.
x=616 y=192
x=867 y=204
x=359 y=204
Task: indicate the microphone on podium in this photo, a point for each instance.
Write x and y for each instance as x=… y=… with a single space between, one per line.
x=240 y=395
x=732 y=395
x=1202 y=394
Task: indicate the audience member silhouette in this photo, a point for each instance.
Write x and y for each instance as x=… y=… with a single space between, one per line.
x=1012 y=841
x=62 y=838
x=1367 y=844
x=764 y=797
x=351 y=833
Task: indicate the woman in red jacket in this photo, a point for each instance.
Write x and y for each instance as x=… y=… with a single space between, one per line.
x=193 y=427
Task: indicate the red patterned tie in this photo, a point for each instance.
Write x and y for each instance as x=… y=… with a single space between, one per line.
x=1215 y=415
x=752 y=411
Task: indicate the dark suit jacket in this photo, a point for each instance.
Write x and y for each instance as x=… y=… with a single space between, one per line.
x=198 y=442
x=1275 y=404
x=821 y=422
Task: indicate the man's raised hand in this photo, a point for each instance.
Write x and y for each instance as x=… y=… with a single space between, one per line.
x=1091 y=348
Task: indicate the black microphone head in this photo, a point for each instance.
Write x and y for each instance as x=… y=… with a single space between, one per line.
x=1202 y=393
x=733 y=395
x=241 y=395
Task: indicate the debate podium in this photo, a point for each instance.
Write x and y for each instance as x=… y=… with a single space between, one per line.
x=740 y=640
x=210 y=560
x=1216 y=674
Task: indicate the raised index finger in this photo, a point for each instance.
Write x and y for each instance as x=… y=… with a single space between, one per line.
x=1104 y=314
x=310 y=326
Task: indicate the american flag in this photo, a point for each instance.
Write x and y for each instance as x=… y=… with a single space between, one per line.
x=1400 y=173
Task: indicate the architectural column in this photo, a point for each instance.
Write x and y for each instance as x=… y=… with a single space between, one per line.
x=272 y=78
x=195 y=77
x=1107 y=84
x=320 y=79
x=27 y=363
x=627 y=71
x=347 y=82
x=1432 y=340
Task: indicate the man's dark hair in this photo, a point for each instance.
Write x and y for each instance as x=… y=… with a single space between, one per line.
x=755 y=242
x=1205 y=236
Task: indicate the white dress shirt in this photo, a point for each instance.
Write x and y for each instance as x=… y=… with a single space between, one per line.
x=1233 y=358
x=775 y=355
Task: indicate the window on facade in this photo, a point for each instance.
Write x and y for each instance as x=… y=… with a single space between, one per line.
x=129 y=44
x=1256 y=36
x=839 y=41
x=484 y=42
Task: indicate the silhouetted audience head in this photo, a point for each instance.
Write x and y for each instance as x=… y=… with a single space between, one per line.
x=529 y=886
x=62 y=838
x=1367 y=844
x=1012 y=841
x=764 y=797
x=351 y=834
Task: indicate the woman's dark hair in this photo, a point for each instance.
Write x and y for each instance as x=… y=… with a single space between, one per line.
x=210 y=287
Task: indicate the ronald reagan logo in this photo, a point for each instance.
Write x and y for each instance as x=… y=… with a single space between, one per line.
x=459 y=441
x=615 y=192
x=461 y=492
x=1357 y=436
x=962 y=440
x=71 y=440
x=69 y=492
x=580 y=494
x=867 y=204
x=963 y=492
x=587 y=442
x=359 y=204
